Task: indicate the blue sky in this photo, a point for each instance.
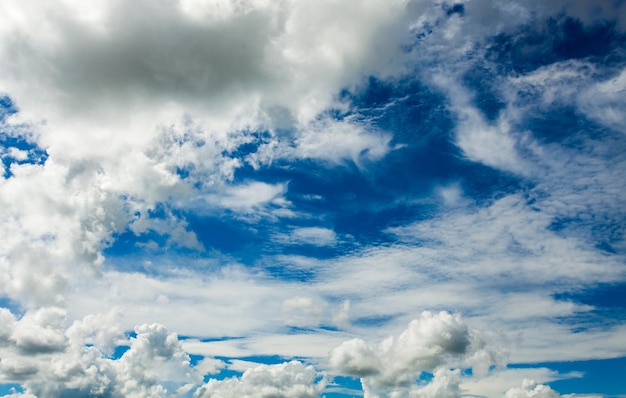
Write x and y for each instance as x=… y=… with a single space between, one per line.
x=411 y=198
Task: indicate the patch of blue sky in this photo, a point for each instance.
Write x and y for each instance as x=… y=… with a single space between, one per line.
x=419 y=119
x=228 y=372
x=221 y=374
x=554 y=40
x=256 y=139
x=483 y=82
x=362 y=203
x=12 y=305
x=341 y=392
x=7 y=107
x=10 y=388
x=261 y=359
x=119 y=351
x=228 y=234
x=606 y=230
x=375 y=321
x=287 y=272
x=195 y=359
x=343 y=387
x=19 y=150
x=416 y=115
x=603 y=376
x=209 y=339
x=16 y=149
x=608 y=300
x=224 y=373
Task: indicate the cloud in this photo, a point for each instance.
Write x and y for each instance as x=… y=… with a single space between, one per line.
x=301 y=311
x=445 y=384
x=141 y=117
x=288 y=380
x=315 y=236
x=51 y=359
x=498 y=382
x=531 y=389
x=148 y=103
x=40 y=332
x=603 y=101
x=336 y=142
x=493 y=144
x=251 y=195
x=391 y=368
x=357 y=358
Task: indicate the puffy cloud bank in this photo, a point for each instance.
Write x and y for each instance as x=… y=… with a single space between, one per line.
x=52 y=359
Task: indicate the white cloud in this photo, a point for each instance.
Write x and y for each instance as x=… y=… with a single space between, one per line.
x=604 y=102
x=356 y=357
x=531 y=389
x=498 y=382
x=339 y=141
x=147 y=103
x=51 y=359
x=128 y=95
x=311 y=344
x=41 y=331
x=493 y=144
x=301 y=312
x=316 y=236
x=390 y=369
x=445 y=384
x=288 y=380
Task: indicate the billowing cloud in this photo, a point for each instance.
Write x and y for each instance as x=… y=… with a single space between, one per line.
x=531 y=389
x=391 y=368
x=288 y=380
x=50 y=358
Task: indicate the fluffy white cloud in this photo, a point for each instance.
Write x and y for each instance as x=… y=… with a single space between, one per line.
x=498 y=382
x=287 y=380
x=51 y=359
x=128 y=96
x=531 y=389
x=40 y=332
x=391 y=368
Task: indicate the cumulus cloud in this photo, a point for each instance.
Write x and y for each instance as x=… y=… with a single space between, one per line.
x=498 y=382
x=531 y=389
x=41 y=331
x=391 y=368
x=289 y=380
x=148 y=103
x=51 y=359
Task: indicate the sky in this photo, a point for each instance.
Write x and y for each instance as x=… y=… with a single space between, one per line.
x=313 y=198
